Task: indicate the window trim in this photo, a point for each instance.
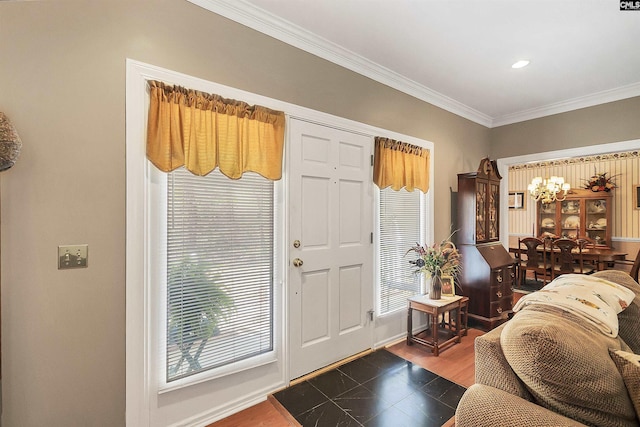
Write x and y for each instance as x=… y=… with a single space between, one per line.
x=158 y=183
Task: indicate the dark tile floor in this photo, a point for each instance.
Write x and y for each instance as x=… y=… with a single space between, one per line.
x=380 y=389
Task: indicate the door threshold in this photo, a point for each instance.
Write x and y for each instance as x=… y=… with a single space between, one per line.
x=328 y=367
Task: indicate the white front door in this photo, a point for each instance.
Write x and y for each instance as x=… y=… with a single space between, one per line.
x=331 y=205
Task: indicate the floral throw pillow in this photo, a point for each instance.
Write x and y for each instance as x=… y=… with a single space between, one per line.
x=629 y=366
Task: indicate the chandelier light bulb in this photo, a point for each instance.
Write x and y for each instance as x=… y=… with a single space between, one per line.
x=549 y=189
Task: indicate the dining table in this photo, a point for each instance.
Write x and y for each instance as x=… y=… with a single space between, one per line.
x=602 y=257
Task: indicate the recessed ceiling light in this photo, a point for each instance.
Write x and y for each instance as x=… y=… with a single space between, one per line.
x=520 y=64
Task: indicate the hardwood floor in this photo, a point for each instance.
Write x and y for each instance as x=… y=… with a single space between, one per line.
x=269 y=413
x=455 y=363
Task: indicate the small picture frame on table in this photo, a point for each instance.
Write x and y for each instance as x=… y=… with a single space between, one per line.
x=516 y=200
x=636 y=196
x=448 y=286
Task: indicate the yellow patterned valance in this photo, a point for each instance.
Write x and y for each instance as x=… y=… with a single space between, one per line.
x=399 y=164
x=203 y=131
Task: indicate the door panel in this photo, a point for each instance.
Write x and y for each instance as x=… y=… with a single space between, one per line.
x=315 y=210
x=331 y=215
x=350 y=307
x=315 y=306
x=350 y=212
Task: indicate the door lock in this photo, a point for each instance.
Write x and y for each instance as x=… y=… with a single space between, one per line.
x=296 y=244
x=297 y=262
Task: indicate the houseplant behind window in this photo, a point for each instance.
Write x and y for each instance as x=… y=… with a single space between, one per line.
x=196 y=303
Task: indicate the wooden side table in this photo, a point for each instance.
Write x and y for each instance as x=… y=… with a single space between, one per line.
x=443 y=334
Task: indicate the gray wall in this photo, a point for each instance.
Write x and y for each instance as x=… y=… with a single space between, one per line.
x=62 y=83
x=602 y=124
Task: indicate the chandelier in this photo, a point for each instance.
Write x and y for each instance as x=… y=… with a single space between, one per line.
x=548 y=190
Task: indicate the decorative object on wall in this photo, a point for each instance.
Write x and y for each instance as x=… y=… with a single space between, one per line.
x=516 y=200
x=636 y=196
x=548 y=190
x=600 y=182
x=10 y=143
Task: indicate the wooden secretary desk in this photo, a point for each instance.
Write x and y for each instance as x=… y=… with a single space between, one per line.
x=488 y=271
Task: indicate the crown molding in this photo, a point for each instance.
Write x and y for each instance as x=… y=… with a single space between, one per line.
x=267 y=23
x=260 y=20
x=598 y=98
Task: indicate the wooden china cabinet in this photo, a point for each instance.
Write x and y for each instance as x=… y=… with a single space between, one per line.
x=583 y=213
x=488 y=271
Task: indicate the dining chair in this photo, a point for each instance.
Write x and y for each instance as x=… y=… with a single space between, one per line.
x=566 y=257
x=537 y=259
x=586 y=243
x=635 y=268
x=635 y=265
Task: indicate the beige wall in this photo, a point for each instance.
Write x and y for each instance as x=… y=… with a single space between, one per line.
x=62 y=83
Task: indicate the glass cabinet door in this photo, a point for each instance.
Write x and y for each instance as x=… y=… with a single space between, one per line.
x=481 y=209
x=493 y=212
x=596 y=220
x=570 y=219
x=547 y=219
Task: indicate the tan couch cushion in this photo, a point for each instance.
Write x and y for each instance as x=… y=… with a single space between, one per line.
x=629 y=366
x=492 y=368
x=566 y=366
x=485 y=406
x=629 y=319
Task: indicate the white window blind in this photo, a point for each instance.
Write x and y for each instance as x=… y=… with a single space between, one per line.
x=220 y=270
x=399 y=230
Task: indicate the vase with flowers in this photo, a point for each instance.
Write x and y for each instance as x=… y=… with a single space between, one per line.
x=600 y=182
x=440 y=259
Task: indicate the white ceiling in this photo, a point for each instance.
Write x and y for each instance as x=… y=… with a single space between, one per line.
x=457 y=54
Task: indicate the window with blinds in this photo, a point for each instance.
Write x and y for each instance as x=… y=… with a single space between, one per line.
x=399 y=230
x=220 y=271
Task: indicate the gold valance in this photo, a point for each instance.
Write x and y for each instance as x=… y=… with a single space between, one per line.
x=203 y=131
x=399 y=164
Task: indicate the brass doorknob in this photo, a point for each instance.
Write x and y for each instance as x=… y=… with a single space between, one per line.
x=297 y=262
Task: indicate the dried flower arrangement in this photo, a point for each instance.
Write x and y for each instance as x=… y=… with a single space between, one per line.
x=600 y=182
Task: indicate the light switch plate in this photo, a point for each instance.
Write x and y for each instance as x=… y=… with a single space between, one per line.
x=73 y=256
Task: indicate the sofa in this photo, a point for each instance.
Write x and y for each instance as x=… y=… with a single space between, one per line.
x=547 y=366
